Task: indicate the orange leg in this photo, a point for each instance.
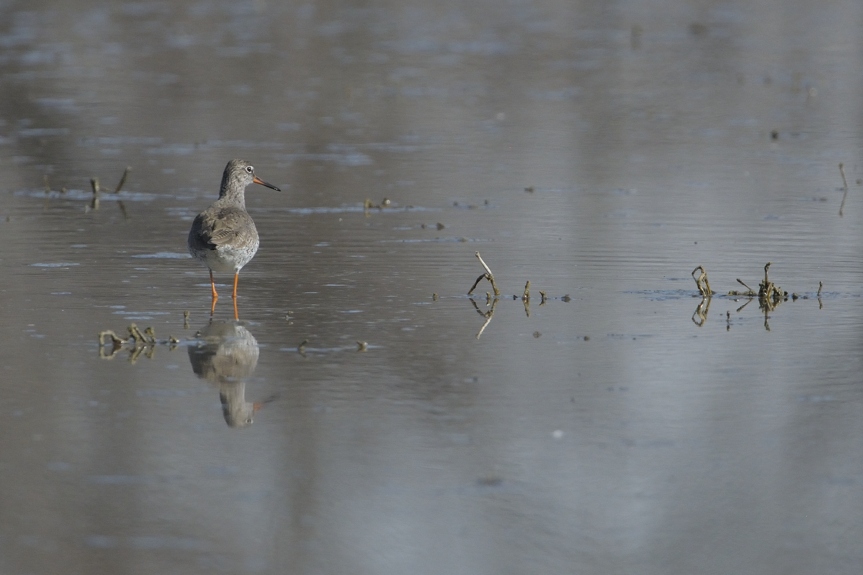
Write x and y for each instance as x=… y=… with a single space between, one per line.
x=234 y=296
x=213 y=286
x=215 y=295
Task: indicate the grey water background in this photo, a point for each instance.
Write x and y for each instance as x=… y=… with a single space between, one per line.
x=601 y=150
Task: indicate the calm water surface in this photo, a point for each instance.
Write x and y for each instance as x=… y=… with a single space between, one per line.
x=599 y=150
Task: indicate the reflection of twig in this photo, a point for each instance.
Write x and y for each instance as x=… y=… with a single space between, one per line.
x=487 y=315
x=487 y=275
x=476 y=307
x=845 y=185
x=701 y=311
x=482 y=329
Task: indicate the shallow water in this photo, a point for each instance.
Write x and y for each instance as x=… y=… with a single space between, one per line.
x=600 y=151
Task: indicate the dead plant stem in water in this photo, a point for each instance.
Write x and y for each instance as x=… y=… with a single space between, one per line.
x=702 y=283
x=487 y=275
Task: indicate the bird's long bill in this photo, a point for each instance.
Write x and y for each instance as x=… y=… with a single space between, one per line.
x=258 y=180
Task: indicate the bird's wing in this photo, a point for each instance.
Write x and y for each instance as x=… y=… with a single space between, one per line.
x=216 y=228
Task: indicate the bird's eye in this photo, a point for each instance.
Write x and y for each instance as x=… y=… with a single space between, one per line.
x=249 y=169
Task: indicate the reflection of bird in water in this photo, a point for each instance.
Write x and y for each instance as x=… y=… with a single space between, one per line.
x=226 y=355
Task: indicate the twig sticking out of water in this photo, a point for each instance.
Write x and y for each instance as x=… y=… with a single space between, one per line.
x=123 y=179
x=487 y=275
x=137 y=343
x=702 y=283
x=148 y=337
x=62 y=190
x=94 y=184
x=766 y=289
x=845 y=185
x=748 y=293
x=119 y=187
x=769 y=294
x=151 y=335
x=487 y=269
x=114 y=339
x=368 y=205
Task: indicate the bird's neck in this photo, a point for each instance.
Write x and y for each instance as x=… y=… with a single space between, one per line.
x=230 y=189
x=229 y=195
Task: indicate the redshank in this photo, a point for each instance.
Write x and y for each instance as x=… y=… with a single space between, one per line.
x=223 y=237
